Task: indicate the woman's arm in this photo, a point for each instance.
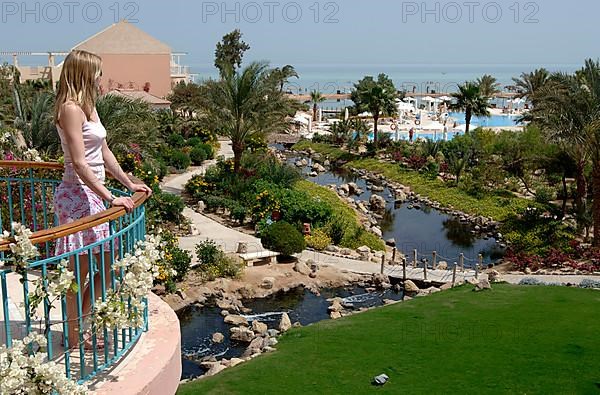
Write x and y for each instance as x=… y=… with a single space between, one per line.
x=71 y=121
x=112 y=166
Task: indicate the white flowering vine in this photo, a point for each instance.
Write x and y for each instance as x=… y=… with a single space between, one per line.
x=124 y=308
x=53 y=288
x=20 y=246
x=25 y=372
x=23 y=366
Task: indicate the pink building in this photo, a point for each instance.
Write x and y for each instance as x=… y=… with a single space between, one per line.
x=132 y=60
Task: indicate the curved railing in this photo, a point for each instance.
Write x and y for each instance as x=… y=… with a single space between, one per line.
x=26 y=195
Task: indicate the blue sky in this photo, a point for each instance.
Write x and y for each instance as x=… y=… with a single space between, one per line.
x=361 y=32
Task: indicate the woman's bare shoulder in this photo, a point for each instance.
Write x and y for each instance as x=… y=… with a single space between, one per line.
x=70 y=111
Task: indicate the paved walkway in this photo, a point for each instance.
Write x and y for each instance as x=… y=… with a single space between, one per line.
x=229 y=238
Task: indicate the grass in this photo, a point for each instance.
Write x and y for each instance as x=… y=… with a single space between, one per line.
x=356 y=235
x=495 y=206
x=332 y=152
x=526 y=340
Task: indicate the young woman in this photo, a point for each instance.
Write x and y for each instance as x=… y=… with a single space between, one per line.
x=82 y=191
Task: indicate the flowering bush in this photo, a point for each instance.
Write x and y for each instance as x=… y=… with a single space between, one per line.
x=23 y=369
x=265 y=204
x=54 y=287
x=124 y=308
x=318 y=240
x=26 y=372
x=20 y=246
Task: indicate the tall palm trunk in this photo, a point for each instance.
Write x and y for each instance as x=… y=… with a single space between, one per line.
x=315 y=112
x=238 y=151
x=375 y=131
x=468 y=116
x=565 y=195
x=580 y=197
x=596 y=203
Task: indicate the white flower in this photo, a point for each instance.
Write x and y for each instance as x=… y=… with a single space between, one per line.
x=32 y=155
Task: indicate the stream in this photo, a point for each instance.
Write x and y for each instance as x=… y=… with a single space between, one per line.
x=199 y=323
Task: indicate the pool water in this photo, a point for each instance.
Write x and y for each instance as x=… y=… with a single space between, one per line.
x=492 y=121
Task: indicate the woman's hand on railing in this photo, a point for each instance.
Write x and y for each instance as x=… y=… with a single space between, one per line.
x=125 y=202
x=141 y=188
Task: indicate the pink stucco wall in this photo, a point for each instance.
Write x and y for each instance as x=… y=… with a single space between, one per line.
x=134 y=71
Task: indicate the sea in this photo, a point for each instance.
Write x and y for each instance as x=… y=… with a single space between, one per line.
x=412 y=78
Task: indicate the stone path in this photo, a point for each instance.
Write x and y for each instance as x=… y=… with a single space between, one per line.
x=229 y=238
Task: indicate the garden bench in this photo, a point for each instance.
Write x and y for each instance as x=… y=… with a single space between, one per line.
x=252 y=257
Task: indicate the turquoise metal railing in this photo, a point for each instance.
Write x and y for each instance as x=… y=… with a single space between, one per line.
x=26 y=193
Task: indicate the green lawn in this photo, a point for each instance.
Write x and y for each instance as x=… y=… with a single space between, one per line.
x=523 y=340
x=494 y=206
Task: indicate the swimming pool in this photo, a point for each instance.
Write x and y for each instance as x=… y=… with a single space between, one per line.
x=493 y=121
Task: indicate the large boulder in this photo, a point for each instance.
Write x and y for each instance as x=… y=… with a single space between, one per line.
x=353 y=188
x=377 y=203
x=215 y=369
x=336 y=305
x=259 y=327
x=365 y=253
x=236 y=320
x=494 y=276
x=482 y=285
x=410 y=287
x=218 y=338
x=255 y=346
x=242 y=334
x=442 y=265
x=268 y=283
x=345 y=189
x=302 y=268
x=285 y=324
x=318 y=168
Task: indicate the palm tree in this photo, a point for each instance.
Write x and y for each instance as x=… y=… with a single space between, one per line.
x=488 y=85
x=128 y=122
x=377 y=97
x=361 y=130
x=470 y=100
x=284 y=74
x=315 y=98
x=589 y=78
x=245 y=104
x=36 y=124
x=529 y=83
x=562 y=112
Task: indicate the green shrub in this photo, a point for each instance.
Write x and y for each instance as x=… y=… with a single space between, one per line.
x=238 y=213
x=165 y=207
x=208 y=149
x=194 y=142
x=208 y=252
x=283 y=238
x=179 y=160
x=336 y=229
x=176 y=140
x=180 y=261
x=198 y=155
x=214 y=263
x=318 y=240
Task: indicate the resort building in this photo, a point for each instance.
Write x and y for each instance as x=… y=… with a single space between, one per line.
x=132 y=60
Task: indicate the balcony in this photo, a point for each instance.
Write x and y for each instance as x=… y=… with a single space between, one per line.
x=148 y=356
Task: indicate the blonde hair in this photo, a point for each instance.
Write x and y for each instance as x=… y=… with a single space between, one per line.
x=78 y=82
